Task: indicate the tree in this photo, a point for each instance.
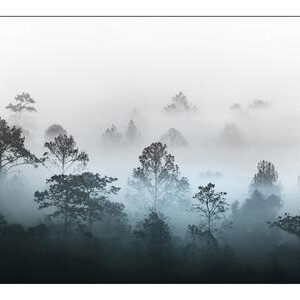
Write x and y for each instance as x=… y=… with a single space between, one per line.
x=155 y=235
x=65 y=197
x=288 y=223
x=266 y=175
x=63 y=153
x=173 y=138
x=211 y=205
x=80 y=199
x=180 y=104
x=95 y=192
x=112 y=135
x=24 y=102
x=54 y=130
x=132 y=134
x=13 y=152
x=158 y=177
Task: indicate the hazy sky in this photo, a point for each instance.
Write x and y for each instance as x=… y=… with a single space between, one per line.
x=87 y=73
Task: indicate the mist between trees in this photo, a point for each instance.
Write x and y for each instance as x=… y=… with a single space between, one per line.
x=152 y=226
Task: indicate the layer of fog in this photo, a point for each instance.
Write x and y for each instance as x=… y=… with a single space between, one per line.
x=87 y=74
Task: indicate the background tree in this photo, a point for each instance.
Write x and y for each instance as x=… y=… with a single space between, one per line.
x=132 y=134
x=158 y=176
x=173 y=138
x=63 y=153
x=23 y=102
x=266 y=175
x=112 y=135
x=13 y=152
x=212 y=206
x=53 y=131
x=179 y=104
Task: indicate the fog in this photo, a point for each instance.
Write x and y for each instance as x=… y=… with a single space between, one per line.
x=240 y=76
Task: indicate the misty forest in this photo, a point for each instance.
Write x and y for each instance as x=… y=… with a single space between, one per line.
x=65 y=221
x=155 y=150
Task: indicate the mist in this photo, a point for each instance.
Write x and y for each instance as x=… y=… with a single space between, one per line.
x=93 y=78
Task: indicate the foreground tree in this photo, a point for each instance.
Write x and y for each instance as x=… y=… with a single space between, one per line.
x=64 y=154
x=158 y=178
x=13 y=152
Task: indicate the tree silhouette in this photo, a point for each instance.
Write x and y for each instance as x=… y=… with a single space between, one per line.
x=180 y=104
x=63 y=195
x=95 y=191
x=158 y=177
x=211 y=205
x=13 y=152
x=24 y=102
x=63 y=153
x=79 y=199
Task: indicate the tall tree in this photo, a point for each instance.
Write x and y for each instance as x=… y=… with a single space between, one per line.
x=158 y=177
x=13 y=152
x=63 y=153
x=212 y=206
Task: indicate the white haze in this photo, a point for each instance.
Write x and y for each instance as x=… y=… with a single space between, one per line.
x=89 y=73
